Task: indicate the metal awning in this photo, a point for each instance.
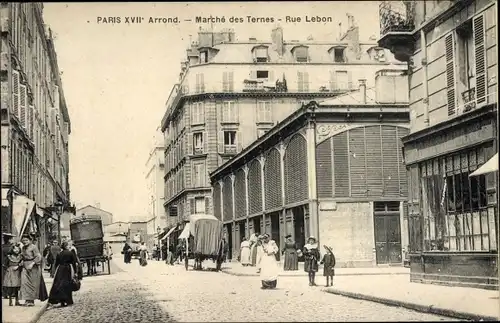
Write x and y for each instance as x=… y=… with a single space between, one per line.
x=168 y=233
x=489 y=167
x=185 y=232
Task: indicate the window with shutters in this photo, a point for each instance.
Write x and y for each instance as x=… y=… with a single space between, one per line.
x=197 y=113
x=200 y=83
x=204 y=56
x=23 y=105
x=230 y=141
x=240 y=195
x=199 y=205
x=254 y=187
x=342 y=80
x=198 y=144
x=15 y=93
x=301 y=54
x=260 y=54
x=480 y=59
x=303 y=81
x=465 y=67
x=295 y=164
x=229 y=112
x=199 y=174
x=272 y=181
x=450 y=73
x=264 y=112
x=228 y=81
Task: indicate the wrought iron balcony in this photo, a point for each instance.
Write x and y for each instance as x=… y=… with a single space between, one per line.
x=397 y=22
x=469 y=99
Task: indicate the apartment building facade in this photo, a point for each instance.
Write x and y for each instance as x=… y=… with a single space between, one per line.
x=35 y=125
x=232 y=92
x=452 y=52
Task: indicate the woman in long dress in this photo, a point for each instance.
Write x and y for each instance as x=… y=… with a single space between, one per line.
x=62 y=287
x=253 y=248
x=143 y=252
x=12 y=276
x=259 y=252
x=268 y=264
x=245 y=252
x=127 y=253
x=32 y=283
x=79 y=266
x=311 y=258
x=290 y=251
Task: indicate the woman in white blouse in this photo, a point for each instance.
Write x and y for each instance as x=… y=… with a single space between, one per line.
x=268 y=264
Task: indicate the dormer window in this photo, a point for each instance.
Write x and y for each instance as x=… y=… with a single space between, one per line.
x=204 y=56
x=260 y=54
x=338 y=54
x=301 y=54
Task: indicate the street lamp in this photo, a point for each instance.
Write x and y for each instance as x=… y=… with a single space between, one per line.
x=158 y=230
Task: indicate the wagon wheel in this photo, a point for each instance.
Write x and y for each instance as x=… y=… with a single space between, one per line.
x=186 y=260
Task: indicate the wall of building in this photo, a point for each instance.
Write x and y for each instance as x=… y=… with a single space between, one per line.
x=106 y=217
x=436 y=41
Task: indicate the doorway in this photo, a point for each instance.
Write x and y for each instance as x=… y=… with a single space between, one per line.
x=387 y=233
x=241 y=226
x=256 y=225
x=298 y=226
x=229 y=240
x=275 y=231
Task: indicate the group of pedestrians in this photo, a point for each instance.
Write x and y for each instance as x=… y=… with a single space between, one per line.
x=22 y=273
x=265 y=251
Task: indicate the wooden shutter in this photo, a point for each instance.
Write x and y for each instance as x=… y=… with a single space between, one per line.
x=22 y=105
x=239 y=141
x=236 y=111
x=205 y=142
x=480 y=59
x=349 y=80
x=450 y=72
x=192 y=206
x=202 y=82
x=190 y=143
x=30 y=121
x=332 y=81
x=300 y=81
x=306 y=81
x=230 y=80
x=207 y=205
x=220 y=142
x=15 y=93
x=201 y=112
x=341 y=165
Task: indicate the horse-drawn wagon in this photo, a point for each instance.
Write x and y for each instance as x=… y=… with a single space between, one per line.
x=203 y=240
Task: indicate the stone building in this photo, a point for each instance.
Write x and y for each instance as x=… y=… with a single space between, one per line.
x=232 y=92
x=333 y=170
x=35 y=125
x=451 y=48
x=106 y=217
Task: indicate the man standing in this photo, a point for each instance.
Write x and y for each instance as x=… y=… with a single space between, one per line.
x=7 y=242
x=54 y=251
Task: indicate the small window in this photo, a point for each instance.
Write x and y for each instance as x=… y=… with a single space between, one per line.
x=229 y=138
x=198 y=142
x=339 y=55
x=204 y=57
x=260 y=55
x=264 y=111
x=262 y=74
x=301 y=54
x=199 y=205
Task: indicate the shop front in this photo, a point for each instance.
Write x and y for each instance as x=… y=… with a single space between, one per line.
x=453 y=210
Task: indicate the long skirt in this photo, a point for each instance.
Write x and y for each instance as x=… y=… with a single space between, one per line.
x=143 y=261
x=61 y=291
x=245 y=256
x=128 y=257
x=32 y=284
x=291 y=260
x=12 y=277
x=269 y=271
x=253 y=254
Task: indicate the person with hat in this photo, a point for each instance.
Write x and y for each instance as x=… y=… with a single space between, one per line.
x=328 y=263
x=253 y=248
x=290 y=253
x=7 y=243
x=311 y=258
x=245 y=252
x=268 y=264
x=32 y=283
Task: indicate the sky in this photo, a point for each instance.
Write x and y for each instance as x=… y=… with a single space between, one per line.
x=117 y=78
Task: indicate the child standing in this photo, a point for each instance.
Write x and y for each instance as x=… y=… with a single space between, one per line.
x=12 y=278
x=328 y=263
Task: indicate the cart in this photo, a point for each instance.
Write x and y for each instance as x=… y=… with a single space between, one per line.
x=203 y=240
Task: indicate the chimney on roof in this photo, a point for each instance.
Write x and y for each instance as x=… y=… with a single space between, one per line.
x=277 y=40
x=362 y=90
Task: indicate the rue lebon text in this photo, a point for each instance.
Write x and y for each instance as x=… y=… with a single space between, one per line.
x=214 y=20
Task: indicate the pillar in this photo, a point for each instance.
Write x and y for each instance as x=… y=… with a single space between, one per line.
x=262 y=160
x=247 y=224
x=311 y=169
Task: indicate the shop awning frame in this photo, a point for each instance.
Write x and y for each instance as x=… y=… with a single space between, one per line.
x=168 y=233
x=186 y=232
x=489 y=167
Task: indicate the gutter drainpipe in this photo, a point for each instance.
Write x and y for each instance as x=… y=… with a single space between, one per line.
x=423 y=48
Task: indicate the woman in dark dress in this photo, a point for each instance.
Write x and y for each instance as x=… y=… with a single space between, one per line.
x=311 y=258
x=290 y=251
x=127 y=253
x=328 y=263
x=62 y=287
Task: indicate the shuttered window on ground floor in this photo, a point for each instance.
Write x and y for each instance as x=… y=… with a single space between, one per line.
x=295 y=162
x=272 y=180
x=254 y=187
x=365 y=161
x=240 y=194
x=227 y=198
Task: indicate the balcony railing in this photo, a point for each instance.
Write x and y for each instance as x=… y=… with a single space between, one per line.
x=397 y=16
x=230 y=149
x=469 y=99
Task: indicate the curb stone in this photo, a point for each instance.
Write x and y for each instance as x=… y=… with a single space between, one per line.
x=233 y=273
x=40 y=312
x=412 y=306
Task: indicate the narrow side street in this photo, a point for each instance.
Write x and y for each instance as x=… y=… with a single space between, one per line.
x=161 y=293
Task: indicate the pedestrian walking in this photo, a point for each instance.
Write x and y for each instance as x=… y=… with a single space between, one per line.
x=291 y=261
x=143 y=255
x=311 y=258
x=127 y=253
x=79 y=266
x=268 y=264
x=253 y=248
x=32 y=283
x=12 y=276
x=7 y=243
x=170 y=255
x=45 y=255
x=328 y=263
x=66 y=271
x=55 y=249
x=245 y=252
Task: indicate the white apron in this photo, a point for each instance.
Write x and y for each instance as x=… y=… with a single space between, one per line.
x=269 y=268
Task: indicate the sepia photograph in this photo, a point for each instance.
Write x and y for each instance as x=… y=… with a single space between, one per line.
x=257 y=161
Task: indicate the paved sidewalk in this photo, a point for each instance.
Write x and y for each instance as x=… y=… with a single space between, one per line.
x=397 y=290
x=236 y=269
x=21 y=314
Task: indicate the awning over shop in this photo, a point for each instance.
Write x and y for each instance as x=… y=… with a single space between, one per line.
x=168 y=233
x=21 y=210
x=5 y=201
x=39 y=211
x=185 y=233
x=489 y=167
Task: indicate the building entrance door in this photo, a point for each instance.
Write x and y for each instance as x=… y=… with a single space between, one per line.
x=229 y=240
x=275 y=230
x=256 y=225
x=387 y=233
x=298 y=226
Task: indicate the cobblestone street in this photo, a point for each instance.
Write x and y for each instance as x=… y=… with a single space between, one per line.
x=161 y=293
